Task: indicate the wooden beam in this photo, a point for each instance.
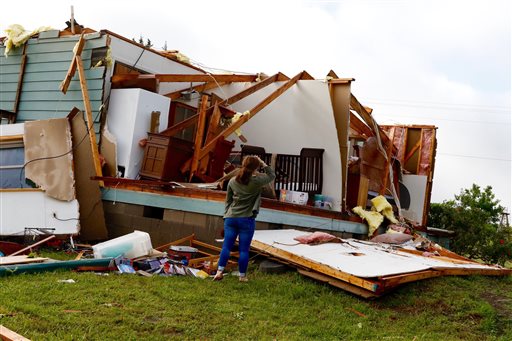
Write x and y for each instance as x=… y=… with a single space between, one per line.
x=260 y=106
x=20 y=80
x=11 y=138
x=389 y=150
x=360 y=126
x=339 y=284
x=362 y=193
x=332 y=74
x=72 y=67
x=199 y=136
x=369 y=120
x=234 y=126
x=339 y=91
x=176 y=78
x=412 y=151
x=8 y=335
x=214 y=123
x=250 y=90
x=32 y=246
x=88 y=114
x=171 y=131
x=200 y=88
x=282 y=77
x=177 y=242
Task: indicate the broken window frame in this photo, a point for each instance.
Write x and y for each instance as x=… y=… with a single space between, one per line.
x=12 y=173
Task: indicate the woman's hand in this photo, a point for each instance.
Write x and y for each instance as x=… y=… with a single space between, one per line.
x=262 y=163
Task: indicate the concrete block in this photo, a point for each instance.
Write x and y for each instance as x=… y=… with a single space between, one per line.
x=120 y=219
x=118 y=207
x=261 y=225
x=173 y=216
x=136 y=210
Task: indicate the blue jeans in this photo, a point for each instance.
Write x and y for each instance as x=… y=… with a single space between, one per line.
x=244 y=229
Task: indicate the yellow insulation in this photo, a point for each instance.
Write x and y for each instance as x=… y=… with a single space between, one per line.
x=384 y=207
x=374 y=219
x=17 y=36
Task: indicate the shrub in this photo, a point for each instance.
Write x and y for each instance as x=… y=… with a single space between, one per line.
x=475 y=215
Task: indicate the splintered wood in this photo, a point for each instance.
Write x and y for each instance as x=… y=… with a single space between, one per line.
x=363 y=268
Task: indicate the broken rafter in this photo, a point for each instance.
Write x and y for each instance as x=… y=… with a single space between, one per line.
x=76 y=63
x=365 y=114
x=260 y=106
x=359 y=126
x=171 y=131
x=199 y=136
x=234 y=126
x=249 y=91
x=176 y=78
x=72 y=67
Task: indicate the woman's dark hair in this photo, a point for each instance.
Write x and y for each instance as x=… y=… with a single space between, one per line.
x=249 y=165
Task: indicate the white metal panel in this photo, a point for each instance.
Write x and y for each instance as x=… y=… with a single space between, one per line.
x=361 y=259
x=20 y=209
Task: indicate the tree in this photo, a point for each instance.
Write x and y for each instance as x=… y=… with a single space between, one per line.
x=475 y=215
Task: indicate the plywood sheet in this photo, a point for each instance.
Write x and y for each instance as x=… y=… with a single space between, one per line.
x=357 y=258
x=48 y=157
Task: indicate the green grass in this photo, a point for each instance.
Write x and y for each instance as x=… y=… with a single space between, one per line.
x=283 y=307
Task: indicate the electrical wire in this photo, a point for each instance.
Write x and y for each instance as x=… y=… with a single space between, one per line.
x=475 y=157
x=63 y=154
x=445 y=104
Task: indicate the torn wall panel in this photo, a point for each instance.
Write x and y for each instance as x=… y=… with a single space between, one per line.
x=92 y=218
x=49 y=162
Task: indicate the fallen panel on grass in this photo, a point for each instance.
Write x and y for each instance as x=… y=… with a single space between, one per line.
x=51 y=266
x=355 y=265
x=10 y=260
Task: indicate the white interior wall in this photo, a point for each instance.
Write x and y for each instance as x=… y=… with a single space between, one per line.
x=129 y=120
x=302 y=117
x=128 y=54
x=417 y=186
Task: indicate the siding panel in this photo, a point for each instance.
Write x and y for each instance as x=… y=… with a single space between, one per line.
x=47 y=63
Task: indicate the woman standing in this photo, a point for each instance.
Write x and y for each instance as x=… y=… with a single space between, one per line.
x=243 y=201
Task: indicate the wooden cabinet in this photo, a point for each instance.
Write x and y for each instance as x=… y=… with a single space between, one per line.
x=164 y=156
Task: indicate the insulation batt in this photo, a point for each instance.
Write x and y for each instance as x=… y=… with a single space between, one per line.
x=17 y=36
x=374 y=219
x=384 y=207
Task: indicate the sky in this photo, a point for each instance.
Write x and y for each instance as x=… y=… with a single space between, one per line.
x=438 y=62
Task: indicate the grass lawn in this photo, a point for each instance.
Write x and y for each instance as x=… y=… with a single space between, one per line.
x=270 y=307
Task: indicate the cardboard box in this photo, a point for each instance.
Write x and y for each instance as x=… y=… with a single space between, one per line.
x=294 y=197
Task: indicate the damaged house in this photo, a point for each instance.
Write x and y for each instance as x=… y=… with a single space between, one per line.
x=163 y=132
x=101 y=136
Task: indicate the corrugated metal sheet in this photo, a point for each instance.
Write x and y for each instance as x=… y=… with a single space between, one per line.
x=46 y=66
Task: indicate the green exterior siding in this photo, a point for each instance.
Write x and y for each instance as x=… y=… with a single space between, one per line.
x=47 y=63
